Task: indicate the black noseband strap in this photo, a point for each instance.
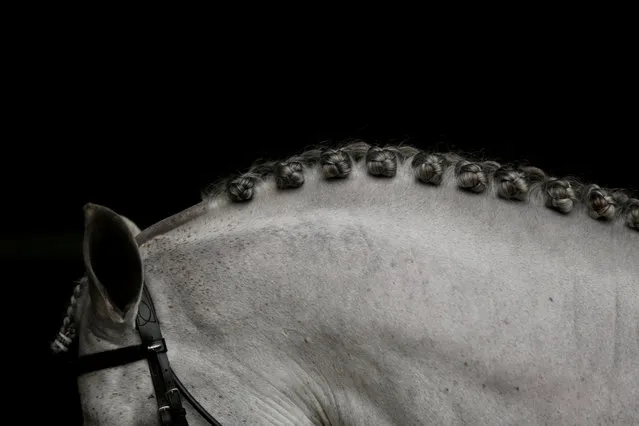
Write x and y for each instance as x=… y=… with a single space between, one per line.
x=153 y=348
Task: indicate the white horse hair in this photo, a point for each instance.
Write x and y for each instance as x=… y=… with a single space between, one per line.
x=374 y=285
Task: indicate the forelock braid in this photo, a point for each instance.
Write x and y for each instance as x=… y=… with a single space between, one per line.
x=67 y=332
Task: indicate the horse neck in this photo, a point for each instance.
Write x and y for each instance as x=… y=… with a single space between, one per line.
x=451 y=223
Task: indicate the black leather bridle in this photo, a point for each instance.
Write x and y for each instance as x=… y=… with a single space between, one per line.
x=153 y=348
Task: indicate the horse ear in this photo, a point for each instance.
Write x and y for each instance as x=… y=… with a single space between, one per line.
x=113 y=264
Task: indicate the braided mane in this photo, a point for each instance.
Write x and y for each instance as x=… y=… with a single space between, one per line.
x=511 y=182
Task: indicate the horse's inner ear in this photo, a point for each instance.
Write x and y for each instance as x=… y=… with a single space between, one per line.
x=112 y=260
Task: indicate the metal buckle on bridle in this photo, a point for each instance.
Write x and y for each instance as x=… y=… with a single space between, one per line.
x=175 y=402
x=174 y=408
x=158 y=346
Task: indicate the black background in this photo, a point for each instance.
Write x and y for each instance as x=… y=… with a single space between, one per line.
x=143 y=130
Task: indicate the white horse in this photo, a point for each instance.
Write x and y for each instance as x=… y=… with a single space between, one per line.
x=365 y=285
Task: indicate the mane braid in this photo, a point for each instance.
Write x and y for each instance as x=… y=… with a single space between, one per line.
x=511 y=182
x=67 y=333
x=508 y=182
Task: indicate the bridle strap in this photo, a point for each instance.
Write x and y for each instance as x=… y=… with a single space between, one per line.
x=153 y=348
x=167 y=394
x=209 y=418
x=109 y=359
